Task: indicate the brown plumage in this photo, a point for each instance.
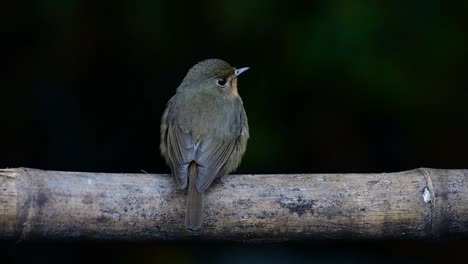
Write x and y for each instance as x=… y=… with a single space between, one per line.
x=204 y=131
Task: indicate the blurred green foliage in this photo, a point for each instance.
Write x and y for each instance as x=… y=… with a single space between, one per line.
x=335 y=85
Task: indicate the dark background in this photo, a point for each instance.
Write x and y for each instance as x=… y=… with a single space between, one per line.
x=334 y=86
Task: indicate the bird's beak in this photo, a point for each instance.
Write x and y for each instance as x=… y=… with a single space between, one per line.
x=239 y=71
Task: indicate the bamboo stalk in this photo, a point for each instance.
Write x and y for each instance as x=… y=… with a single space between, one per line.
x=54 y=205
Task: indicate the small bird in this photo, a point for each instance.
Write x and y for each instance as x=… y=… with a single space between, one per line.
x=204 y=131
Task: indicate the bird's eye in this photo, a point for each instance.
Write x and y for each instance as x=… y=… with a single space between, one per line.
x=221 y=82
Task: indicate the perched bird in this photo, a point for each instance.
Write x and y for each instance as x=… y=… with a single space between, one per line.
x=204 y=131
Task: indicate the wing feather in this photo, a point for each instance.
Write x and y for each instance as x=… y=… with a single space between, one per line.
x=180 y=151
x=212 y=157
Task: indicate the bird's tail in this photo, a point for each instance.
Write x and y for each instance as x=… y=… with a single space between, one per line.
x=194 y=209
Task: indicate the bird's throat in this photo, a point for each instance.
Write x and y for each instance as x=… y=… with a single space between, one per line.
x=234 y=88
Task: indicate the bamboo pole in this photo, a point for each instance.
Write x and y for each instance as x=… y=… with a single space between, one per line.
x=53 y=205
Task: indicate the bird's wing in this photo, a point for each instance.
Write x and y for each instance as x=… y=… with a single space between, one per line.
x=180 y=150
x=218 y=157
x=212 y=156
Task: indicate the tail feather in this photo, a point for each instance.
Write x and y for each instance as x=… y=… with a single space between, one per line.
x=194 y=209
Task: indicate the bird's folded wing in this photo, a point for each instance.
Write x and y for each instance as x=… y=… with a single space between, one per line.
x=181 y=152
x=212 y=156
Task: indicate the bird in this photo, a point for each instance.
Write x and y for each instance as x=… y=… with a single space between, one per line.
x=204 y=131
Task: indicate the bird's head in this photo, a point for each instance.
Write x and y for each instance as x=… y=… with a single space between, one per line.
x=213 y=75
